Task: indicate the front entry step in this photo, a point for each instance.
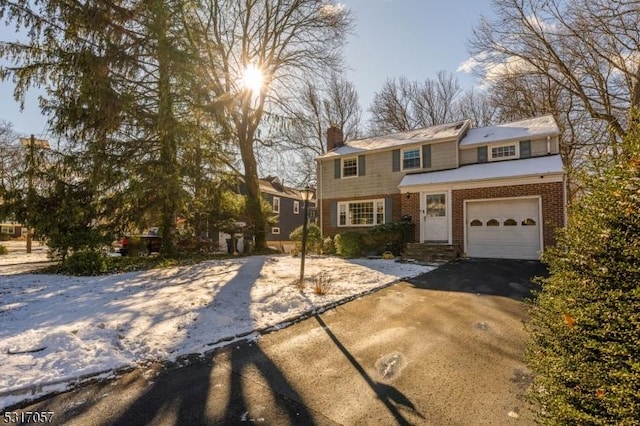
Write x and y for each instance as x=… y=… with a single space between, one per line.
x=425 y=252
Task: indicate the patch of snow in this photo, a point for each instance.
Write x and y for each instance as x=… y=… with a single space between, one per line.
x=535 y=166
x=88 y=326
x=531 y=128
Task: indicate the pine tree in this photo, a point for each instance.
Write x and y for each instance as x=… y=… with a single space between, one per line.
x=585 y=323
x=119 y=81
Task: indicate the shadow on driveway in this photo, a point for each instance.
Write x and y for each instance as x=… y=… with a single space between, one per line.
x=495 y=277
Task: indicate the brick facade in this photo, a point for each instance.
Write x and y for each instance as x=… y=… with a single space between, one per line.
x=330 y=230
x=411 y=207
x=552 y=207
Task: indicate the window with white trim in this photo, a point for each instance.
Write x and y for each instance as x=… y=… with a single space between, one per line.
x=7 y=230
x=275 y=231
x=296 y=207
x=361 y=213
x=349 y=167
x=411 y=158
x=504 y=151
x=276 y=204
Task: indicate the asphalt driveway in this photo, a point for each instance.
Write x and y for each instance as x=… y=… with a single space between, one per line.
x=443 y=349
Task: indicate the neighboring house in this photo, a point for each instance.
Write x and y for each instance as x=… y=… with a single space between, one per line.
x=287 y=205
x=10 y=230
x=497 y=191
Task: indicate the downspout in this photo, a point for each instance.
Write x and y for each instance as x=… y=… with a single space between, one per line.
x=548 y=145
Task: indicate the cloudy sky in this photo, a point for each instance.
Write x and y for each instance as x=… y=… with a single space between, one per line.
x=391 y=38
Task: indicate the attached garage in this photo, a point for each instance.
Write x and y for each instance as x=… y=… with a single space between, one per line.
x=503 y=228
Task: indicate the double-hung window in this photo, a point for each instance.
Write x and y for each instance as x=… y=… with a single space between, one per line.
x=350 y=167
x=361 y=213
x=504 y=151
x=411 y=159
x=276 y=204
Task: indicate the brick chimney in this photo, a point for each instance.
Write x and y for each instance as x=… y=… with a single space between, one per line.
x=335 y=138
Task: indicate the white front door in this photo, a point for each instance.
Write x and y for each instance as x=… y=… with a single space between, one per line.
x=436 y=218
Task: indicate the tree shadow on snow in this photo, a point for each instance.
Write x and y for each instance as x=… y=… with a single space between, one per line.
x=227 y=386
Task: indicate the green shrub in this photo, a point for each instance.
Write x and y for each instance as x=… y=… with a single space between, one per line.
x=349 y=244
x=5 y=237
x=314 y=240
x=90 y=262
x=328 y=247
x=3 y=250
x=388 y=237
x=585 y=323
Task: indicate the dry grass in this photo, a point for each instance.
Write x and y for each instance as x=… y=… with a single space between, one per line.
x=322 y=284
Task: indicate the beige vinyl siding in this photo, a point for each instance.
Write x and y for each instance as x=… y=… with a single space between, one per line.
x=443 y=155
x=379 y=179
x=468 y=156
x=539 y=146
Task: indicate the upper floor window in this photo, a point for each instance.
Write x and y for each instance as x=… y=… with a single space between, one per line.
x=296 y=207
x=411 y=158
x=350 y=167
x=504 y=151
x=276 y=204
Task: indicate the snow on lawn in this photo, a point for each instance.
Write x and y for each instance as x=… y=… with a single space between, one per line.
x=56 y=329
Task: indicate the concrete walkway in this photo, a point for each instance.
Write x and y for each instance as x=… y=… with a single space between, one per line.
x=444 y=349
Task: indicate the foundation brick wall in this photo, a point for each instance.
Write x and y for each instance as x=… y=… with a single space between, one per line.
x=331 y=230
x=552 y=195
x=411 y=207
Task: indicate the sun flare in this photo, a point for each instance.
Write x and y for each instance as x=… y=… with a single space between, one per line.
x=252 y=78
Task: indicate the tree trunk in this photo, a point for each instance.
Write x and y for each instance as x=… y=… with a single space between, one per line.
x=254 y=199
x=166 y=134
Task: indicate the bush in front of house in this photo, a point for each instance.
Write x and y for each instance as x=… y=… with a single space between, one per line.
x=3 y=250
x=585 y=323
x=387 y=237
x=314 y=239
x=328 y=246
x=349 y=244
x=390 y=237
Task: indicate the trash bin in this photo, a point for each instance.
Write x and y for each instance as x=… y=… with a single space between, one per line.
x=407 y=236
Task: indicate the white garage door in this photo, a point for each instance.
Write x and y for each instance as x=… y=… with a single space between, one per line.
x=503 y=228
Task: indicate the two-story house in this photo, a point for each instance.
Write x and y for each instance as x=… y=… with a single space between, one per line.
x=497 y=191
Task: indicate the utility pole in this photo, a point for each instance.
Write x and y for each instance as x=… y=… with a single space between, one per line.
x=31 y=143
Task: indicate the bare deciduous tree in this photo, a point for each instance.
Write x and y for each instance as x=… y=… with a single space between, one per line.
x=477 y=107
x=11 y=161
x=335 y=103
x=284 y=43
x=403 y=105
x=589 y=48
